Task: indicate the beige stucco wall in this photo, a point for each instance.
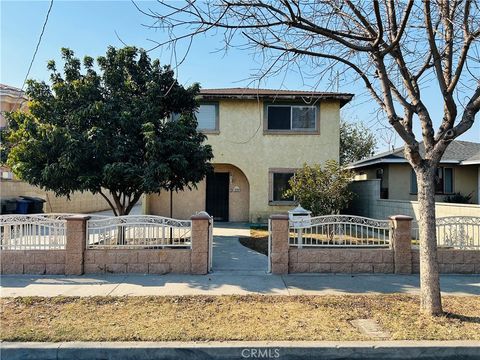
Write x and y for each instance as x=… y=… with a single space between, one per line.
x=78 y=203
x=397 y=176
x=399 y=182
x=187 y=203
x=466 y=180
x=10 y=103
x=242 y=143
x=367 y=203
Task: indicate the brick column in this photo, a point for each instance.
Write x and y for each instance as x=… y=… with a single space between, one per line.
x=279 y=238
x=401 y=238
x=201 y=227
x=75 y=248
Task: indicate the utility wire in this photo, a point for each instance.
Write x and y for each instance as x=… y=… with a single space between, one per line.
x=37 y=47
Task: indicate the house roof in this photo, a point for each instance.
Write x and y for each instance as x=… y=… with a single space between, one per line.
x=458 y=152
x=273 y=94
x=11 y=92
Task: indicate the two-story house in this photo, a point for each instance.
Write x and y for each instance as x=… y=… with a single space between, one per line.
x=259 y=138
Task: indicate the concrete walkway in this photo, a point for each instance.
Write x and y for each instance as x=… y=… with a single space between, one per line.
x=225 y=283
x=231 y=256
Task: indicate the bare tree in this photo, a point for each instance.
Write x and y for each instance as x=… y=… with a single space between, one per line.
x=394 y=47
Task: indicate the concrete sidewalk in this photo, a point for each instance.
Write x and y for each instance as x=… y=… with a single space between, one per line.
x=226 y=283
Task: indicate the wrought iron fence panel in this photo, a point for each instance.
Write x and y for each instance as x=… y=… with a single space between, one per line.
x=138 y=231
x=341 y=230
x=458 y=232
x=33 y=232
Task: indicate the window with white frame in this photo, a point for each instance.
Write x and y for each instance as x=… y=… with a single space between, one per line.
x=207 y=117
x=291 y=117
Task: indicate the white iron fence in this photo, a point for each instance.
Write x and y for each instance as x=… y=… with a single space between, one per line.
x=138 y=231
x=341 y=231
x=33 y=232
x=459 y=232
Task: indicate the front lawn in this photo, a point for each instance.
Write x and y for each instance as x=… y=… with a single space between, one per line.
x=256 y=317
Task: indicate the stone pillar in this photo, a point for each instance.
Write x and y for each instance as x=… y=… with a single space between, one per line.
x=201 y=227
x=279 y=238
x=76 y=235
x=401 y=243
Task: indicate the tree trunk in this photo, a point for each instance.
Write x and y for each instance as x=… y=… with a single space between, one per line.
x=430 y=299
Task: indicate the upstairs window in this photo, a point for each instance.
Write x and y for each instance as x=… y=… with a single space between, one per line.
x=291 y=117
x=207 y=117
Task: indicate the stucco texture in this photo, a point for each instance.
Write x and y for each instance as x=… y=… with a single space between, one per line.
x=367 y=203
x=241 y=142
x=186 y=203
x=79 y=202
x=397 y=178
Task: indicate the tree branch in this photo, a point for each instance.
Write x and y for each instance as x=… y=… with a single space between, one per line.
x=109 y=202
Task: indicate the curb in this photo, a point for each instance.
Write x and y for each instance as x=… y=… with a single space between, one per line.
x=242 y=350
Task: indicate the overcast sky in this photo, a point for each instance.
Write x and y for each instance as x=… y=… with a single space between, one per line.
x=88 y=27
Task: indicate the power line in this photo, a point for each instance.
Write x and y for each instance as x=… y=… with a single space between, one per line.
x=38 y=44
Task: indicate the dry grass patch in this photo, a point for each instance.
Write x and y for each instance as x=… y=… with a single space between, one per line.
x=204 y=318
x=258 y=241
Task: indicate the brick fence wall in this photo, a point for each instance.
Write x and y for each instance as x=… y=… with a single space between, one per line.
x=451 y=261
x=160 y=261
x=38 y=262
x=342 y=260
x=77 y=260
x=400 y=258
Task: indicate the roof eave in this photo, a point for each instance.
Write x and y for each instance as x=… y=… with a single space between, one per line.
x=376 y=161
x=343 y=98
x=396 y=161
x=470 y=162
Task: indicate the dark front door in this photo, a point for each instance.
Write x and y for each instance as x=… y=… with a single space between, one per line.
x=217 y=195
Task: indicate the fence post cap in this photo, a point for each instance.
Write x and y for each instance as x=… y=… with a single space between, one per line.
x=279 y=217
x=202 y=215
x=78 y=217
x=401 y=218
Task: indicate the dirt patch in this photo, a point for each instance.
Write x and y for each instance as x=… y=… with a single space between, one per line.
x=258 y=241
x=255 y=317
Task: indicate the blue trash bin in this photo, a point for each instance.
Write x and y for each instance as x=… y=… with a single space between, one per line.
x=36 y=206
x=23 y=206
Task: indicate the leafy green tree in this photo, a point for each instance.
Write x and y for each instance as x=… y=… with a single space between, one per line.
x=322 y=191
x=108 y=131
x=356 y=142
x=3 y=147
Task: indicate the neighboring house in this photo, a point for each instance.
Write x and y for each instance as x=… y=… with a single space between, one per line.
x=259 y=138
x=11 y=99
x=459 y=172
